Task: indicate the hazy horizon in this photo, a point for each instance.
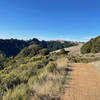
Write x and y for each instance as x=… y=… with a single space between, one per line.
x=26 y=39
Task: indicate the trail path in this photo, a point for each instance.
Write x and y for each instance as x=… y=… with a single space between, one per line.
x=85 y=83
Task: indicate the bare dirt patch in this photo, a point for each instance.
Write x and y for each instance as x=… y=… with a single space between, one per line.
x=74 y=50
x=85 y=83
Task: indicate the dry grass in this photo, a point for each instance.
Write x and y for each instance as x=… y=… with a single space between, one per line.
x=51 y=86
x=46 y=84
x=62 y=62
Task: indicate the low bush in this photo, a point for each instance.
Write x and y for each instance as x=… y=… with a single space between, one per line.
x=21 y=92
x=44 y=52
x=79 y=59
x=51 y=67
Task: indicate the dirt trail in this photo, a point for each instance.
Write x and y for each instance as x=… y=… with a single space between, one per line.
x=85 y=83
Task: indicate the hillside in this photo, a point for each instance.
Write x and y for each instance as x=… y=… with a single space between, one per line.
x=11 y=47
x=36 y=73
x=33 y=74
x=92 y=46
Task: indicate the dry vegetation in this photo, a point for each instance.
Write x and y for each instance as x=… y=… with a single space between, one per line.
x=50 y=88
x=46 y=85
x=35 y=74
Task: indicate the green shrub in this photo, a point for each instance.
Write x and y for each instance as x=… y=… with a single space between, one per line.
x=41 y=63
x=30 y=51
x=21 y=92
x=32 y=80
x=51 y=67
x=44 y=52
x=36 y=58
x=92 y=46
x=79 y=59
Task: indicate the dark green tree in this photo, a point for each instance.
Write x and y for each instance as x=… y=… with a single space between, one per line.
x=44 y=52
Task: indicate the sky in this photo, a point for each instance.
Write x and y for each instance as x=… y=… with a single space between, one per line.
x=75 y=20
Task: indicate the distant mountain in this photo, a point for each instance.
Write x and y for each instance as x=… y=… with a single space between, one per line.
x=11 y=47
x=92 y=46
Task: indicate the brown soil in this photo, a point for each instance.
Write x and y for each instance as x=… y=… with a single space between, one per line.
x=85 y=83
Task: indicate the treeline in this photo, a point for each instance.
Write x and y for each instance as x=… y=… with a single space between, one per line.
x=92 y=46
x=11 y=47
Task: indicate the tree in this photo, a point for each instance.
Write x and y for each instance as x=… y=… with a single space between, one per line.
x=31 y=50
x=44 y=52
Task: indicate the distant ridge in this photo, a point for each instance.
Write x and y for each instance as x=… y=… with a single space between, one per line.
x=11 y=47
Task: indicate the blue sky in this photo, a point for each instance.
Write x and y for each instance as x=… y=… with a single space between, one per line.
x=77 y=20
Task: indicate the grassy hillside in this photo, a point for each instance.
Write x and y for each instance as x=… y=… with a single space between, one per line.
x=92 y=46
x=11 y=47
x=33 y=74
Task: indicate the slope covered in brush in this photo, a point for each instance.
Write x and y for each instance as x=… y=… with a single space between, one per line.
x=92 y=46
x=33 y=74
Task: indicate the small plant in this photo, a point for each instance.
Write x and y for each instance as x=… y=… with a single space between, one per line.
x=51 y=67
x=21 y=92
x=44 y=52
x=79 y=59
